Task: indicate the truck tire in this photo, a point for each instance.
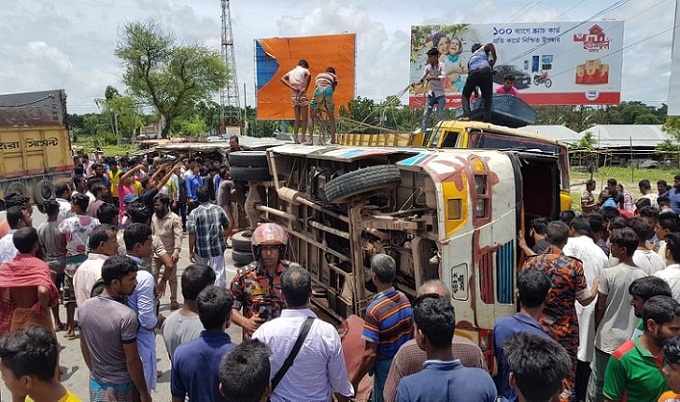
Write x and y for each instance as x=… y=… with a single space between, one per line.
x=43 y=190
x=248 y=159
x=241 y=241
x=242 y=258
x=16 y=188
x=250 y=173
x=361 y=181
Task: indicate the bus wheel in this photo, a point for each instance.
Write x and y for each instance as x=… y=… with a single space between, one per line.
x=360 y=181
x=250 y=173
x=248 y=159
x=241 y=241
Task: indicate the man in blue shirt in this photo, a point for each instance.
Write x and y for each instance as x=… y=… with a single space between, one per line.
x=194 y=182
x=533 y=286
x=480 y=74
x=674 y=194
x=435 y=323
x=196 y=364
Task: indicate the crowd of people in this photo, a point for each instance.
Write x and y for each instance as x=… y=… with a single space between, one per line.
x=613 y=285
x=598 y=319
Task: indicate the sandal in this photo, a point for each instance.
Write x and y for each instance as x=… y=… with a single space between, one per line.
x=70 y=337
x=60 y=327
x=174 y=306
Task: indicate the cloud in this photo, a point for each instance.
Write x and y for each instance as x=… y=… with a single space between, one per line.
x=70 y=44
x=381 y=69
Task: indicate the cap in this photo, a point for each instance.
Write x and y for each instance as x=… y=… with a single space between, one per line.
x=130 y=198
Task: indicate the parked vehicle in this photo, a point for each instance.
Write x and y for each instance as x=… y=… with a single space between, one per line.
x=522 y=78
x=543 y=78
x=35 y=147
x=649 y=164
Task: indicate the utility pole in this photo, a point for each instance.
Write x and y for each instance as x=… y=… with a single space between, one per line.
x=230 y=106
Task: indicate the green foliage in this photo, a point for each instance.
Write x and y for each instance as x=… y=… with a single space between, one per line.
x=171 y=77
x=588 y=141
x=120 y=113
x=104 y=138
x=579 y=118
x=189 y=126
x=672 y=127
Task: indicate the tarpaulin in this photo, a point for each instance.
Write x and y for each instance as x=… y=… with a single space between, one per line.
x=274 y=57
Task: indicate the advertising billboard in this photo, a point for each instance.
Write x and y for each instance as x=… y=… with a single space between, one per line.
x=674 y=85
x=554 y=63
x=274 y=57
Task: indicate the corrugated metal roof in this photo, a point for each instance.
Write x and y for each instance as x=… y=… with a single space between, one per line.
x=622 y=135
x=558 y=132
x=607 y=135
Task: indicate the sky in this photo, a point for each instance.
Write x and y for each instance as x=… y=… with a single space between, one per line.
x=69 y=44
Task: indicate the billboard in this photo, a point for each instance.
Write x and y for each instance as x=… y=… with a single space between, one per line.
x=674 y=86
x=274 y=57
x=554 y=63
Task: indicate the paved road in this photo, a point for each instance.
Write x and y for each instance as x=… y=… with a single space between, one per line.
x=75 y=374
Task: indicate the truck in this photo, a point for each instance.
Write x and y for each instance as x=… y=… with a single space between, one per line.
x=448 y=214
x=35 y=146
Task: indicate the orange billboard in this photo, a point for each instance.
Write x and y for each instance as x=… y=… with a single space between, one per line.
x=276 y=56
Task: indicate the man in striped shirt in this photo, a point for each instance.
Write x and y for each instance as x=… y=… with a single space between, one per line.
x=388 y=325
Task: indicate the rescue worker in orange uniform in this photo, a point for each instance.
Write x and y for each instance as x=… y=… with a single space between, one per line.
x=257 y=287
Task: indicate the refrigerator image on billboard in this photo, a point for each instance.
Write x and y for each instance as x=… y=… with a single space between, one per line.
x=553 y=63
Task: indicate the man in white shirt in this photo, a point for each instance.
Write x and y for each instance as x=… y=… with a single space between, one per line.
x=298 y=80
x=645 y=259
x=581 y=245
x=614 y=318
x=319 y=368
x=672 y=272
x=63 y=197
x=103 y=244
x=646 y=189
x=435 y=75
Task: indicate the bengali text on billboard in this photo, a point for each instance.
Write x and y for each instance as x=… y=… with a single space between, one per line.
x=274 y=57
x=553 y=63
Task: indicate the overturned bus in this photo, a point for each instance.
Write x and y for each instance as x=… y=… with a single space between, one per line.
x=449 y=214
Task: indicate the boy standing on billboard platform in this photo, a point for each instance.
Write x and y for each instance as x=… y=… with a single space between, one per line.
x=480 y=74
x=435 y=75
x=298 y=80
x=324 y=86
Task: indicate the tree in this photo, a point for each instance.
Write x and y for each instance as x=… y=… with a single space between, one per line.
x=120 y=112
x=171 y=77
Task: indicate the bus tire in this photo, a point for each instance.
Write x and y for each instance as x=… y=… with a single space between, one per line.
x=241 y=241
x=16 y=188
x=248 y=159
x=242 y=258
x=40 y=190
x=250 y=173
x=361 y=181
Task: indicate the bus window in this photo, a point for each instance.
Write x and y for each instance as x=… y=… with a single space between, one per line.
x=505 y=141
x=450 y=139
x=434 y=139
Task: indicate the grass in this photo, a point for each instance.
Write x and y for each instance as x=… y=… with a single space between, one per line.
x=628 y=177
x=109 y=150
